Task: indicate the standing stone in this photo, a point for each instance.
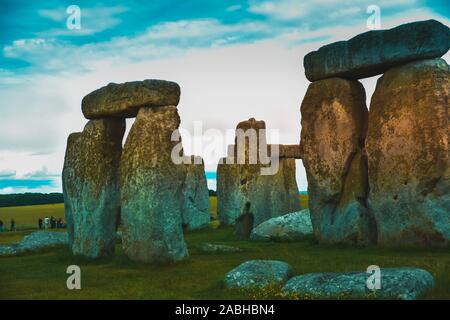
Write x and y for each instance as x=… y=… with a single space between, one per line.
x=125 y=99
x=270 y=195
x=375 y=52
x=196 y=209
x=409 y=157
x=152 y=189
x=334 y=124
x=91 y=188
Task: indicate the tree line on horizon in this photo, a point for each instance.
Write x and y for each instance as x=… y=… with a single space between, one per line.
x=29 y=199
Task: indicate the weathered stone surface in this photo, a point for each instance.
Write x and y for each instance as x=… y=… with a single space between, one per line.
x=211 y=248
x=334 y=124
x=374 y=52
x=34 y=242
x=291 y=226
x=396 y=283
x=257 y=274
x=290 y=151
x=196 y=207
x=409 y=157
x=152 y=189
x=124 y=100
x=240 y=180
x=244 y=225
x=91 y=187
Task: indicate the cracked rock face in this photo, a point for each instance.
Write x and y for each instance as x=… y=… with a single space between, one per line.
x=152 y=189
x=334 y=123
x=409 y=156
x=270 y=195
x=91 y=187
x=124 y=100
x=196 y=208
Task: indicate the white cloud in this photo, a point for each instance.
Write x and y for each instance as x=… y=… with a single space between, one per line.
x=7 y=174
x=221 y=85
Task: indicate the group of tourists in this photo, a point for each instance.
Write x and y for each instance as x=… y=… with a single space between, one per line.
x=51 y=223
x=46 y=223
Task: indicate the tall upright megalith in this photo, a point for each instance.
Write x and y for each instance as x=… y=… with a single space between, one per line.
x=334 y=124
x=409 y=154
x=196 y=206
x=248 y=174
x=152 y=189
x=91 y=187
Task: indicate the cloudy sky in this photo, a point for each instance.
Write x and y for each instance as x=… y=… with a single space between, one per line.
x=233 y=60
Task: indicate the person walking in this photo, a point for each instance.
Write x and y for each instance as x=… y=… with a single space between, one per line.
x=13 y=225
x=40 y=223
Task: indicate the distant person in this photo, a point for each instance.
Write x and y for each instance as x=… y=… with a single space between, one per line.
x=46 y=223
x=1 y=226
x=13 y=225
x=52 y=222
x=40 y=222
x=59 y=223
x=244 y=223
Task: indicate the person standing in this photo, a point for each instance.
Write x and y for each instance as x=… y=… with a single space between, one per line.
x=13 y=225
x=46 y=222
x=1 y=226
x=40 y=223
x=244 y=223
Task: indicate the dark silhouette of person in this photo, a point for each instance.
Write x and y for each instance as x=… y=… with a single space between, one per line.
x=1 y=226
x=52 y=222
x=40 y=221
x=13 y=225
x=244 y=223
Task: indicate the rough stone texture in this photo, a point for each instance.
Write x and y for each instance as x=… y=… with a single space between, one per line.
x=34 y=242
x=152 y=189
x=334 y=124
x=238 y=183
x=244 y=225
x=196 y=208
x=291 y=226
x=409 y=157
x=258 y=273
x=290 y=151
x=91 y=187
x=374 y=52
x=211 y=248
x=124 y=100
x=396 y=283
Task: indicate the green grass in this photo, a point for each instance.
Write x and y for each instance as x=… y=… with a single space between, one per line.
x=42 y=275
x=26 y=217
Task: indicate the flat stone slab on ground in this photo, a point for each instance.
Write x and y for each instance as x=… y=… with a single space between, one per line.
x=258 y=273
x=396 y=283
x=218 y=248
x=124 y=100
x=291 y=226
x=374 y=52
x=34 y=242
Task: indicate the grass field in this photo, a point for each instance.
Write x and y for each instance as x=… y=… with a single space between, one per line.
x=26 y=217
x=43 y=275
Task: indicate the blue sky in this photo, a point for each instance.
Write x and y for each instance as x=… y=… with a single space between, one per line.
x=233 y=60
